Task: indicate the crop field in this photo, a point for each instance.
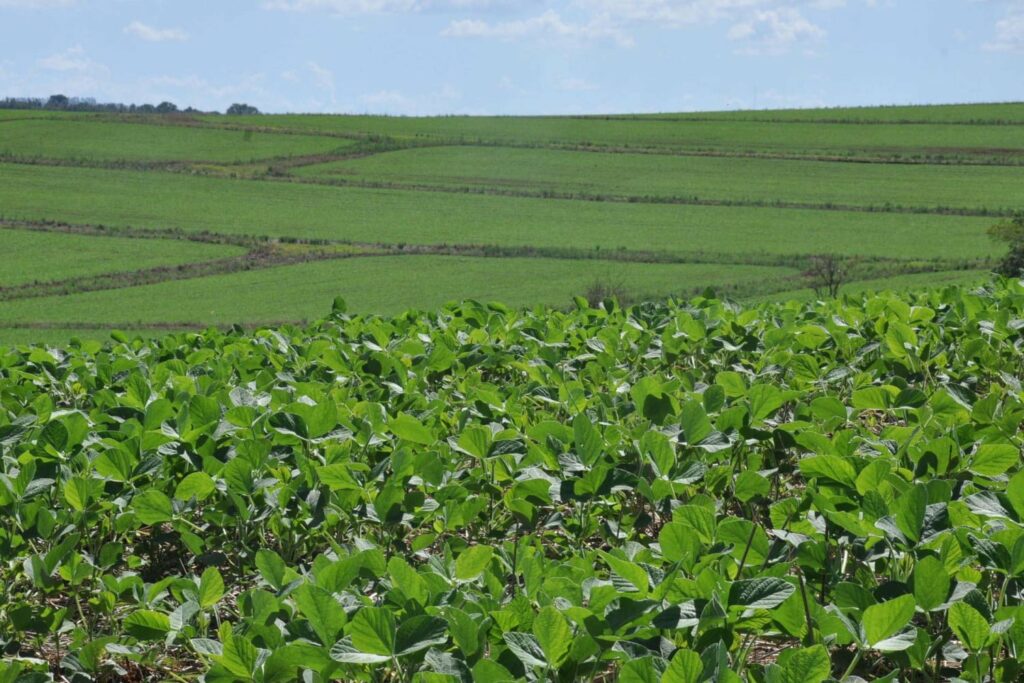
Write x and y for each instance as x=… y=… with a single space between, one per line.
x=511 y=400
x=150 y=223
x=673 y=492
x=764 y=181
x=99 y=141
x=938 y=141
x=43 y=256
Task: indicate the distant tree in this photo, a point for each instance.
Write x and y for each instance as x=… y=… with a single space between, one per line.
x=57 y=102
x=825 y=274
x=166 y=108
x=1010 y=232
x=242 y=110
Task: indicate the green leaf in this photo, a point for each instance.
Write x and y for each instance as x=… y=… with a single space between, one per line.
x=750 y=485
x=830 y=467
x=685 y=667
x=198 y=485
x=885 y=619
x=147 y=625
x=338 y=477
x=807 y=665
x=324 y=614
x=526 y=648
x=285 y=663
x=760 y=593
x=910 y=510
x=765 y=399
x=343 y=651
x=969 y=626
x=993 y=459
x=1015 y=493
x=476 y=440
x=828 y=408
x=641 y=670
x=406 y=580
x=554 y=634
x=677 y=542
x=239 y=657
x=211 y=588
x=271 y=568
x=373 y=631
x=633 y=574
x=695 y=423
x=465 y=632
x=409 y=428
x=472 y=562
x=152 y=507
x=419 y=633
x=931 y=583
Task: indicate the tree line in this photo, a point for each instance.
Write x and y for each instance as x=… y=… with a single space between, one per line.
x=89 y=104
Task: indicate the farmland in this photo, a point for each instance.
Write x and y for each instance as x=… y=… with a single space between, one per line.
x=674 y=492
x=526 y=210
x=458 y=399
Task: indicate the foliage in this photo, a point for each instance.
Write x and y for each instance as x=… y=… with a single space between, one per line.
x=1010 y=232
x=826 y=273
x=242 y=110
x=665 y=493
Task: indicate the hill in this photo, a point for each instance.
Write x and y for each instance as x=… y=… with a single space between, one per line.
x=183 y=221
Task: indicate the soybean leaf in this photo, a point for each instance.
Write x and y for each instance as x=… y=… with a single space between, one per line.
x=419 y=633
x=969 y=626
x=885 y=619
x=373 y=631
x=554 y=635
x=152 y=507
x=760 y=593
x=472 y=562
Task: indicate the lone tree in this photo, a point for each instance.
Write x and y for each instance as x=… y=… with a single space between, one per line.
x=242 y=110
x=58 y=102
x=825 y=274
x=1010 y=232
x=166 y=108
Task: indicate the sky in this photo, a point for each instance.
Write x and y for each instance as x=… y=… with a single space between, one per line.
x=431 y=57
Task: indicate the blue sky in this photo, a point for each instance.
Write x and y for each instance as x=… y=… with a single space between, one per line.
x=514 y=56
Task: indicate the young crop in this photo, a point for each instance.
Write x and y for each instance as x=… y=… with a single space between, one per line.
x=670 y=493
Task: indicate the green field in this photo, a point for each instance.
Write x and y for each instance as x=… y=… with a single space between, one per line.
x=642 y=175
x=143 y=210
x=30 y=256
x=387 y=284
x=994 y=142
x=400 y=216
x=1011 y=113
x=105 y=141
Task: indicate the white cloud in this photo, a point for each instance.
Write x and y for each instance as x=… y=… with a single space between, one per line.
x=36 y=4
x=192 y=86
x=350 y=7
x=548 y=25
x=72 y=59
x=446 y=100
x=386 y=99
x=1009 y=34
x=576 y=85
x=670 y=12
x=154 y=35
x=774 y=31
